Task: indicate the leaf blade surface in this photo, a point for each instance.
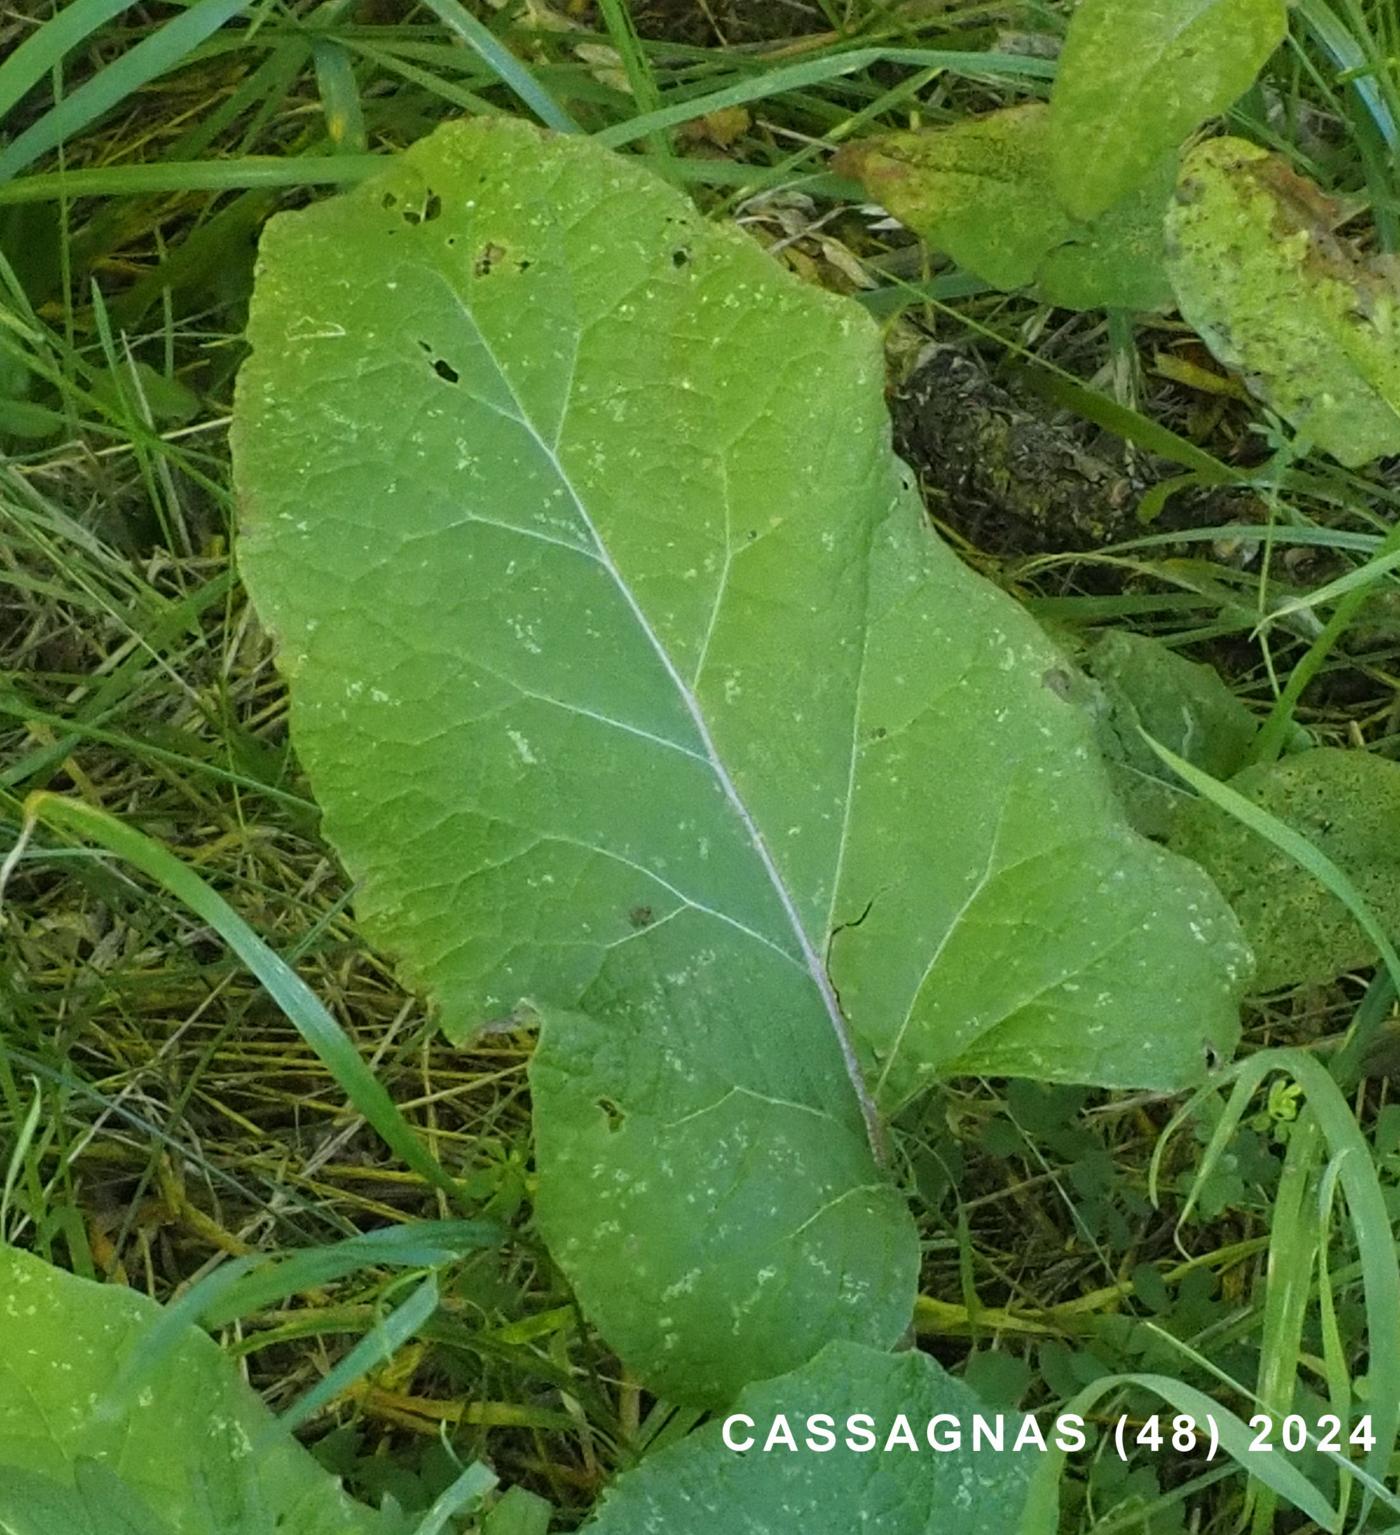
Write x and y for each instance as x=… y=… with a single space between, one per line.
x=700 y=1485
x=1134 y=79
x=182 y=1450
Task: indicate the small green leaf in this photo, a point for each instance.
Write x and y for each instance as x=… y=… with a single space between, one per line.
x=701 y=1486
x=1117 y=261
x=975 y=190
x=177 y=1458
x=998 y=1377
x=1182 y=704
x=140 y=387
x=518 y=1513
x=1137 y=76
x=1313 y=328
x=21 y=418
x=1347 y=803
x=980 y=191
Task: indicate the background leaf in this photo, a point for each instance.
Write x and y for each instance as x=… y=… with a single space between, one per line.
x=181 y=1449
x=1117 y=260
x=1137 y=76
x=635 y=686
x=699 y=1485
x=518 y=1513
x=1314 y=330
x=975 y=190
x=981 y=191
x=1347 y=803
x=1183 y=704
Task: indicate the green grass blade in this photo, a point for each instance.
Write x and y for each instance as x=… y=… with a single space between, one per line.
x=1355 y=1172
x=158 y=1341
x=340 y=96
x=253 y=172
x=1347 y=1467
x=377 y=1347
x=296 y=999
x=1353 y=1168
x=418 y=1244
x=796 y=77
x=465 y=1493
x=1220 y=1138
x=244 y=1286
x=1363 y=578
x=387 y=60
x=1373 y=1011
x=15 y=1166
x=1276 y=1471
x=1273 y=733
x=1293 y=1248
x=239 y=174
x=1347 y=52
x=494 y=53
x=1336 y=1364
x=41 y=50
x=1254 y=533
x=640 y=76
x=153 y=56
x=1132 y=426
x=16 y=706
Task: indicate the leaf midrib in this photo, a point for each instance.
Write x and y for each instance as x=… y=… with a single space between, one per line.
x=811 y=960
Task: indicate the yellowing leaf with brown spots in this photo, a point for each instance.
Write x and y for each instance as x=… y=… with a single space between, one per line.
x=1312 y=327
x=981 y=191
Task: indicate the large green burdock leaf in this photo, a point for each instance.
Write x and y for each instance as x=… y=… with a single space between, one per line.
x=635 y=687
x=980 y=190
x=1313 y=328
x=701 y=1486
x=193 y=1452
x=1347 y=803
x=1137 y=76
